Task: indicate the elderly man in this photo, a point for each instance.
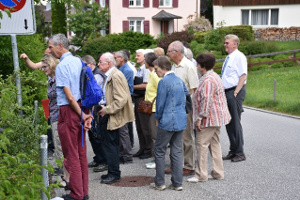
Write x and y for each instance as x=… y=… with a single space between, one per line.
x=185 y=70
x=125 y=144
x=69 y=129
x=234 y=76
x=118 y=110
x=99 y=160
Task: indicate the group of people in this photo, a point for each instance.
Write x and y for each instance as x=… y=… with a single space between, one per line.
x=217 y=101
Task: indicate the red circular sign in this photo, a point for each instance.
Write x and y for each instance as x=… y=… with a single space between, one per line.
x=12 y=5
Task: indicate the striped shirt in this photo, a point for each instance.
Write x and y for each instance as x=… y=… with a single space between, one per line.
x=209 y=101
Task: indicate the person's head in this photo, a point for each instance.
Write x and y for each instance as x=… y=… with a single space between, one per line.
x=159 y=51
x=47 y=51
x=90 y=61
x=106 y=61
x=205 y=62
x=58 y=45
x=231 y=43
x=127 y=53
x=49 y=64
x=149 y=58
x=162 y=65
x=186 y=44
x=189 y=54
x=121 y=58
x=139 y=56
x=176 y=51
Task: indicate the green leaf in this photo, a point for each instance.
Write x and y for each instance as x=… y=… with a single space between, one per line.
x=7 y=12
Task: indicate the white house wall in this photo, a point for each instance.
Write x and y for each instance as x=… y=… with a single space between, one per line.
x=289 y=15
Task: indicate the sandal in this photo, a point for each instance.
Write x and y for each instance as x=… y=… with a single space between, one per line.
x=65 y=185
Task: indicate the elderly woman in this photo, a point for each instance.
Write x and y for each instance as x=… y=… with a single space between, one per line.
x=171 y=119
x=150 y=95
x=210 y=113
x=49 y=64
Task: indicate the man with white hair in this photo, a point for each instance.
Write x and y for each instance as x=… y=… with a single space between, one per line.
x=185 y=70
x=140 y=84
x=117 y=110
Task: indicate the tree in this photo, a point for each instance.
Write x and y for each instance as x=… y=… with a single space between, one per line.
x=87 y=21
x=58 y=16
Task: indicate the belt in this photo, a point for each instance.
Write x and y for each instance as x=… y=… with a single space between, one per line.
x=229 y=89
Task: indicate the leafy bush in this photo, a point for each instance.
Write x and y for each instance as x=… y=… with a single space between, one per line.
x=96 y=46
x=277 y=65
x=257 y=47
x=244 y=32
x=197 y=24
x=197 y=48
x=199 y=36
x=288 y=64
x=181 y=36
x=131 y=40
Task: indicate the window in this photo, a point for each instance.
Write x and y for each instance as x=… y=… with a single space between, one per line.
x=261 y=17
x=165 y=3
x=136 y=25
x=135 y=3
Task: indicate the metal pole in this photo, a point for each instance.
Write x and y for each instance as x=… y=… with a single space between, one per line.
x=16 y=67
x=274 y=90
x=44 y=160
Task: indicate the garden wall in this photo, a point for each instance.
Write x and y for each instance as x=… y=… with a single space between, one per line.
x=277 y=34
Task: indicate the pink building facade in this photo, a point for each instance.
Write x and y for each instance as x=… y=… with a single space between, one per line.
x=155 y=17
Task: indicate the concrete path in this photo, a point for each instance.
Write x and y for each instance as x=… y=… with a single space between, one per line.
x=271 y=171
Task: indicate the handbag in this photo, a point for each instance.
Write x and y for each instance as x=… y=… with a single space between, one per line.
x=145 y=106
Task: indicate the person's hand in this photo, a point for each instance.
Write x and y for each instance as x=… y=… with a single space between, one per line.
x=198 y=124
x=101 y=112
x=23 y=56
x=88 y=123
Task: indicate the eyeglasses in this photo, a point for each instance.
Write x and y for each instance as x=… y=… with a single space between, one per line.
x=169 y=51
x=101 y=62
x=44 y=66
x=226 y=43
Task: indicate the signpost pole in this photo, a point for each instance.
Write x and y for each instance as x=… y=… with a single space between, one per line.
x=16 y=67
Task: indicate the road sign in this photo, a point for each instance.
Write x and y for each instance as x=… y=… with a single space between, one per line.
x=22 y=20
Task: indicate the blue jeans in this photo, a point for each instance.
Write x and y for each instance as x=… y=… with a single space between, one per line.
x=163 y=138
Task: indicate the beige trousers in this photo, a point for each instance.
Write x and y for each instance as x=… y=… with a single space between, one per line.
x=188 y=144
x=209 y=138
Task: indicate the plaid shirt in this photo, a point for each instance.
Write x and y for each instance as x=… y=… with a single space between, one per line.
x=51 y=95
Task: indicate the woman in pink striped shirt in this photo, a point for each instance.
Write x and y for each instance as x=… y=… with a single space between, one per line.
x=210 y=113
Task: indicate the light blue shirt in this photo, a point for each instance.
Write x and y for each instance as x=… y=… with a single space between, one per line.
x=67 y=74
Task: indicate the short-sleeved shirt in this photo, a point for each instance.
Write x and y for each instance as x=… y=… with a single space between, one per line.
x=187 y=72
x=67 y=74
x=143 y=72
x=151 y=88
x=236 y=66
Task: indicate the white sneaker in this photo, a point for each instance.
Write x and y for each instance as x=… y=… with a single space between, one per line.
x=172 y=187
x=158 y=187
x=193 y=180
x=151 y=165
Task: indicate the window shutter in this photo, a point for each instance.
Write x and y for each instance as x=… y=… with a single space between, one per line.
x=125 y=25
x=125 y=3
x=155 y=3
x=175 y=3
x=147 y=26
x=97 y=2
x=146 y=3
x=106 y=3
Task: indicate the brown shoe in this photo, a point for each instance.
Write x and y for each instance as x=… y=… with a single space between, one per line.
x=238 y=158
x=228 y=157
x=168 y=171
x=187 y=172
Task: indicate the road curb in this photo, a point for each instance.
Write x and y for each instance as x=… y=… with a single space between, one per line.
x=272 y=112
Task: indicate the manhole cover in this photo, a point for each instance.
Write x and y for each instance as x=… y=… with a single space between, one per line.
x=134 y=181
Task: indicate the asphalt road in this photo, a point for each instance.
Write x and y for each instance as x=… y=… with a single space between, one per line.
x=271 y=171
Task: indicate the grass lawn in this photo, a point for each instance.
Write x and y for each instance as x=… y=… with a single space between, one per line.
x=287 y=45
x=260 y=90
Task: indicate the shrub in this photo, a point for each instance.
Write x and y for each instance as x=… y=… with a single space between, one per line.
x=288 y=64
x=199 y=36
x=131 y=40
x=96 y=46
x=257 y=47
x=197 y=48
x=181 y=36
x=277 y=65
x=244 y=32
x=198 y=24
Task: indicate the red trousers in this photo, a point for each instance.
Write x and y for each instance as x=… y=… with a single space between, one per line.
x=70 y=134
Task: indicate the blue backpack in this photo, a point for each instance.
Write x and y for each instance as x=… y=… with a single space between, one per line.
x=91 y=93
